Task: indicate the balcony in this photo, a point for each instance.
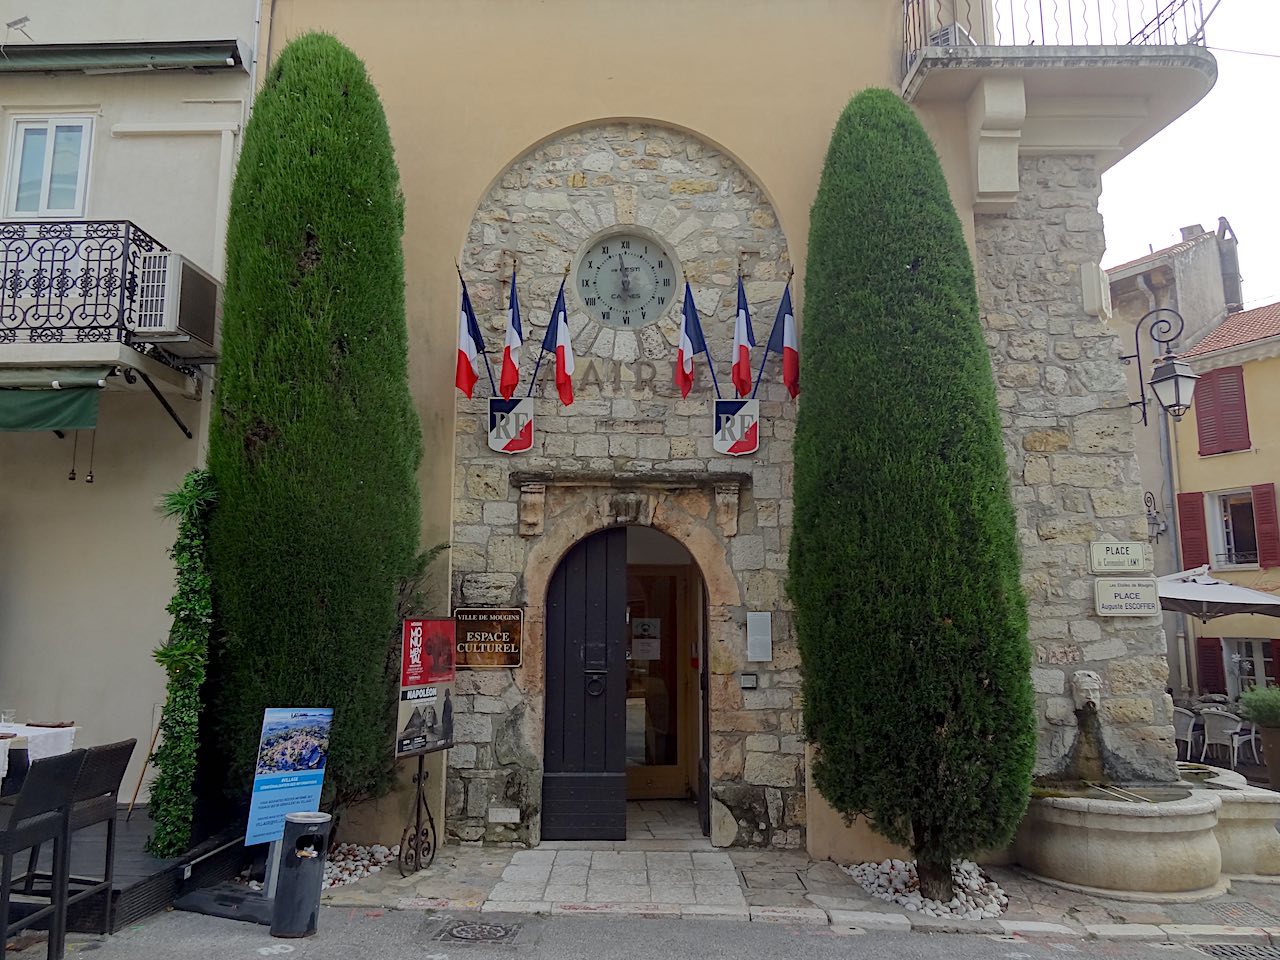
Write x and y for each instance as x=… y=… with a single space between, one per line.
x=1049 y=23
x=83 y=293
x=1043 y=77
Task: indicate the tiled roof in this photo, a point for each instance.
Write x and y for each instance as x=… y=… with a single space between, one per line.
x=1247 y=326
x=1180 y=247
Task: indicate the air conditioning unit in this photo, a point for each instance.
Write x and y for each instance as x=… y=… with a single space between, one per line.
x=178 y=304
x=952 y=35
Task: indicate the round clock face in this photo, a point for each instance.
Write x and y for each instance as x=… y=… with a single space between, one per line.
x=626 y=278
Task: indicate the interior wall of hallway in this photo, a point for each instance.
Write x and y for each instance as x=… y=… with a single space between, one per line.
x=85 y=573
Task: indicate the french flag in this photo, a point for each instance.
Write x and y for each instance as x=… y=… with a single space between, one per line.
x=557 y=342
x=744 y=339
x=470 y=345
x=783 y=341
x=692 y=343
x=510 y=378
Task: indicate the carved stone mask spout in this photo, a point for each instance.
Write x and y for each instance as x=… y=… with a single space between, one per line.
x=1086 y=689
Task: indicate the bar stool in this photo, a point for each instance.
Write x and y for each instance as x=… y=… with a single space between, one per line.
x=93 y=801
x=40 y=812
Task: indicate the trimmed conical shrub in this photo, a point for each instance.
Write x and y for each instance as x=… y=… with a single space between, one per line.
x=314 y=441
x=904 y=559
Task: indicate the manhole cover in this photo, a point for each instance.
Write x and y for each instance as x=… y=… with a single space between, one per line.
x=1242 y=914
x=1240 y=951
x=470 y=931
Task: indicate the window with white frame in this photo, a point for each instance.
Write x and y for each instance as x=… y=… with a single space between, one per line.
x=1234 y=534
x=1250 y=663
x=48 y=166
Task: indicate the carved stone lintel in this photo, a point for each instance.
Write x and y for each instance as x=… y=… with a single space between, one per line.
x=727 y=507
x=533 y=508
x=631 y=508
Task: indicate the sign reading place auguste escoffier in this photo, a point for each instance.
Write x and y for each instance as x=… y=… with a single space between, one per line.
x=488 y=638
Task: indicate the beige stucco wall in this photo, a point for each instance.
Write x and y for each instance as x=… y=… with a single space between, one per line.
x=1244 y=468
x=84 y=571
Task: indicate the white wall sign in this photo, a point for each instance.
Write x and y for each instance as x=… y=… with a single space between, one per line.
x=759 y=637
x=1116 y=557
x=1126 y=598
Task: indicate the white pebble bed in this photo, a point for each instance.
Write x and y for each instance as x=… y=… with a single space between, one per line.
x=350 y=862
x=895 y=881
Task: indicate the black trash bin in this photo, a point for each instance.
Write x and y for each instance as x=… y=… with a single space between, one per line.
x=301 y=878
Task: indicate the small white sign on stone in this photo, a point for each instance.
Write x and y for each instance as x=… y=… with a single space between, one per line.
x=1126 y=598
x=1106 y=556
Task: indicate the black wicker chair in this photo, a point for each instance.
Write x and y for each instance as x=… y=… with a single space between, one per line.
x=41 y=812
x=94 y=800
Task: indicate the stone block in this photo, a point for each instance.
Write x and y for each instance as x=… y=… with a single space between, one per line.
x=1045 y=680
x=473 y=728
x=1127 y=710
x=771 y=769
x=1046 y=441
x=488 y=589
x=499 y=512
x=766 y=743
x=747 y=553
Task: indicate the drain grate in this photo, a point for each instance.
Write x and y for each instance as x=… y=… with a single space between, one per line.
x=1242 y=914
x=471 y=931
x=1240 y=951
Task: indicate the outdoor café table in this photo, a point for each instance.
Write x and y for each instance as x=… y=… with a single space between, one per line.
x=39 y=742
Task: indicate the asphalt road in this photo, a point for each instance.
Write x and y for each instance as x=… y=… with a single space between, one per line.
x=404 y=935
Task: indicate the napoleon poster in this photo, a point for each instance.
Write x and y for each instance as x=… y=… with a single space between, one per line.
x=425 y=722
x=489 y=637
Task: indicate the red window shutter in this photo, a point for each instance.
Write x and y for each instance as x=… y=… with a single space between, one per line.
x=1267 y=524
x=1275 y=663
x=1193 y=530
x=1205 y=400
x=1213 y=675
x=1233 y=415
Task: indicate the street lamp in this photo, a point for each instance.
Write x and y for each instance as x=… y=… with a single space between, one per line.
x=1172 y=381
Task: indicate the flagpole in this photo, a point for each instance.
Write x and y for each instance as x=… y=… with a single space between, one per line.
x=484 y=347
x=711 y=365
x=760 y=373
x=541 y=350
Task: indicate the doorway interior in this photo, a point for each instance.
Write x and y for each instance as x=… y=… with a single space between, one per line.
x=626 y=710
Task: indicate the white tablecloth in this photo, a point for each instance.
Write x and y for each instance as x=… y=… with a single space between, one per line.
x=40 y=742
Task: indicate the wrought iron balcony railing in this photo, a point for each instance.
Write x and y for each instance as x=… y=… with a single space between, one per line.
x=1049 y=23
x=1237 y=557
x=67 y=281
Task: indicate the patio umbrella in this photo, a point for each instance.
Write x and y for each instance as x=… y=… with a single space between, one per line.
x=1205 y=597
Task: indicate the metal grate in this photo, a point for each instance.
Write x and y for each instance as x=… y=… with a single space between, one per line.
x=472 y=931
x=1242 y=914
x=1240 y=951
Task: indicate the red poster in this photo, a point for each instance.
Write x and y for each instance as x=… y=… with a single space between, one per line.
x=426 y=654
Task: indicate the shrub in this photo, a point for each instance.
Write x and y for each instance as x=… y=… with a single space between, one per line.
x=184 y=657
x=904 y=561
x=1262 y=704
x=314 y=441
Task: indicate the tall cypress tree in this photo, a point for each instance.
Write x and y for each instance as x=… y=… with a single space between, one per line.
x=314 y=441
x=904 y=559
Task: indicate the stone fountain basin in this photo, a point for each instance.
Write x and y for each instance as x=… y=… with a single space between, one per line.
x=1246 y=829
x=1167 y=846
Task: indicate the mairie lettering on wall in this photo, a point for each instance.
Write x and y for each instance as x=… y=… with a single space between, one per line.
x=635 y=378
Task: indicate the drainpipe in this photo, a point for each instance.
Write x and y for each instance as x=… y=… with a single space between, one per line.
x=1168 y=459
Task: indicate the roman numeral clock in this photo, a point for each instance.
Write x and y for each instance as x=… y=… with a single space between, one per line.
x=626 y=277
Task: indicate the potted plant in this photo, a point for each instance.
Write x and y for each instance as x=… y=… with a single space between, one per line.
x=1262 y=706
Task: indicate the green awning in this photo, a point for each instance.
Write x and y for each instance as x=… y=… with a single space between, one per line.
x=50 y=398
x=75 y=408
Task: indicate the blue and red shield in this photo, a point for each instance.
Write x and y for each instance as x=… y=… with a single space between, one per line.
x=510 y=425
x=737 y=427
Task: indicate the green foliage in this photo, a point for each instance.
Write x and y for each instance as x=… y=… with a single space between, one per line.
x=904 y=559
x=314 y=441
x=1262 y=705
x=184 y=657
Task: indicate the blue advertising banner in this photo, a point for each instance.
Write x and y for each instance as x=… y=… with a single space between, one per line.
x=290 y=770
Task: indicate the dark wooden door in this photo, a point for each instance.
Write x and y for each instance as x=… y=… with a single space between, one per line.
x=704 y=718
x=584 y=785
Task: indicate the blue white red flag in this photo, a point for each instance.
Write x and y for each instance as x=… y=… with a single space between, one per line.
x=784 y=342
x=692 y=342
x=557 y=343
x=744 y=339
x=510 y=377
x=470 y=345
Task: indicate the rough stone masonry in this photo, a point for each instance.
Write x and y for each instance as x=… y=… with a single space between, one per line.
x=630 y=450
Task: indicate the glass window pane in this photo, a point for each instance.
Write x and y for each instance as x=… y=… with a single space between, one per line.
x=65 y=172
x=30 y=169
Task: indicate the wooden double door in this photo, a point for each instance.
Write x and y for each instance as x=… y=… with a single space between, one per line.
x=625 y=676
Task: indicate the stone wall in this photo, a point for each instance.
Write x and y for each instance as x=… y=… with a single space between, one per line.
x=628 y=450
x=1069 y=438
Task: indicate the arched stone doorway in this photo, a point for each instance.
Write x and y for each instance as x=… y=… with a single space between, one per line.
x=625 y=693
x=629 y=451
